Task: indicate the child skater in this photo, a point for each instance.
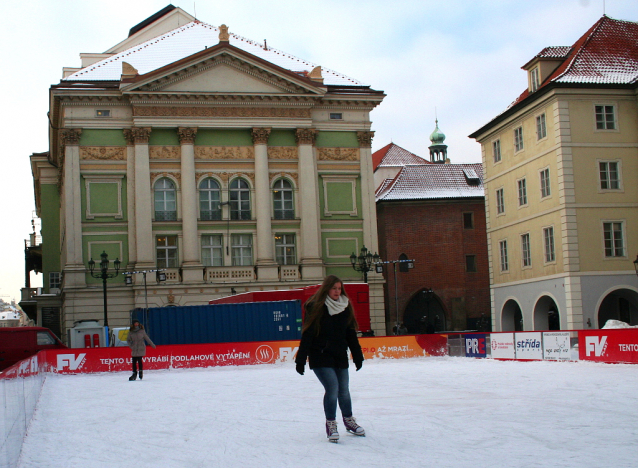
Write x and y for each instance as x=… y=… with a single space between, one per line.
x=328 y=331
x=135 y=340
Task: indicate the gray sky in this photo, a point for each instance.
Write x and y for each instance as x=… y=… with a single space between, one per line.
x=461 y=57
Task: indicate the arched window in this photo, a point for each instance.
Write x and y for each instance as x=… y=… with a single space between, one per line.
x=282 y=200
x=239 y=199
x=165 y=200
x=209 y=199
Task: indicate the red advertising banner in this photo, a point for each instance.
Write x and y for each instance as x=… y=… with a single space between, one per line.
x=79 y=360
x=613 y=345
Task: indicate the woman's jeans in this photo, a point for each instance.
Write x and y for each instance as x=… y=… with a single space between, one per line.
x=335 y=381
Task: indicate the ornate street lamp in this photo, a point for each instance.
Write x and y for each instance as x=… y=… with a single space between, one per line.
x=365 y=262
x=104 y=274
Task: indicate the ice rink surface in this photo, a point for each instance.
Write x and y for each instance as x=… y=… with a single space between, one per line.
x=422 y=412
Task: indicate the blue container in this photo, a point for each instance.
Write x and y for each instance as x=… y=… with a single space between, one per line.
x=222 y=323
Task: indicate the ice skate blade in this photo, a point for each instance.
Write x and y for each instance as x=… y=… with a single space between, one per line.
x=334 y=441
x=362 y=434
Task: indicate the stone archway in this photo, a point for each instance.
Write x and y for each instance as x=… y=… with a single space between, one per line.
x=511 y=316
x=546 y=316
x=622 y=305
x=424 y=313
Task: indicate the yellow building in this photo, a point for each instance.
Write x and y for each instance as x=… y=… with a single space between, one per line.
x=561 y=187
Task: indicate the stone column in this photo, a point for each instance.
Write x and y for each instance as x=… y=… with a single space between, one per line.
x=266 y=266
x=191 y=265
x=130 y=198
x=143 y=201
x=310 y=248
x=74 y=267
x=370 y=235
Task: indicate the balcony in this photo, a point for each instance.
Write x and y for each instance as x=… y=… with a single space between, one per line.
x=230 y=274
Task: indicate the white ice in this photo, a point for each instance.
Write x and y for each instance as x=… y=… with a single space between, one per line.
x=423 y=412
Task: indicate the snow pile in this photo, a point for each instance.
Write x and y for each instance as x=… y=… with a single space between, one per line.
x=611 y=324
x=439 y=412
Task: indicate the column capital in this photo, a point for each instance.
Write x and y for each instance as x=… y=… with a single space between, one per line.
x=71 y=136
x=306 y=136
x=365 y=139
x=129 y=137
x=141 y=135
x=186 y=135
x=260 y=135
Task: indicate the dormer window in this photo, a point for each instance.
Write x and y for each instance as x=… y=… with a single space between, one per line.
x=534 y=79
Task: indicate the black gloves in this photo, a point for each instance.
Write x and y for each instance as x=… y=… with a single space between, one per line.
x=358 y=365
x=300 y=368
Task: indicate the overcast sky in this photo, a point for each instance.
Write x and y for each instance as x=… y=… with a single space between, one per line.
x=460 y=57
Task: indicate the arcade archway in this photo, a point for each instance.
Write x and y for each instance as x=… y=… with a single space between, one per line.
x=424 y=313
x=546 y=316
x=511 y=317
x=621 y=305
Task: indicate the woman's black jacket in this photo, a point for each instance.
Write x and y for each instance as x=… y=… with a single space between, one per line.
x=330 y=347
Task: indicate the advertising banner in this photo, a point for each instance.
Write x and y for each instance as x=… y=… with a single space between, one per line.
x=528 y=345
x=502 y=346
x=556 y=346
x=614 y=345
x=475 y=345
x=115 y=359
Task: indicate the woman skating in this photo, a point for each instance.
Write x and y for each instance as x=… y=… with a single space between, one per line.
x=136 y=341
x=328 y=331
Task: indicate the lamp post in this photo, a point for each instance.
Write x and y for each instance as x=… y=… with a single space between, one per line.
x=104 y=275
x=364 y=262
x=379 y=269
x=128 y=280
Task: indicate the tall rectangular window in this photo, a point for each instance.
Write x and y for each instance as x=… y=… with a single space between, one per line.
x=496 y=150
x=166 y=249
x=548 y=238
x=534 y=79
x=285 y=251
x=614 y=243
x=518 y=139
x=525 y=250
x=605 y=118
x=522 y=192
x=212 y=250
x=500 y=201
x=470 y=263
x=55 y=280
x=502 y=245
x=609 y=175
x=242 y=249
x=468 y=220
x=545 y=185
x=541 y=127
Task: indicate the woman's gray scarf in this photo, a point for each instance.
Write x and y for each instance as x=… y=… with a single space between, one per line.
x=338 y=306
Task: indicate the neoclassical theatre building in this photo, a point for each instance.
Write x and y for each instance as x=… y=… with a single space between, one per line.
x=233 y=165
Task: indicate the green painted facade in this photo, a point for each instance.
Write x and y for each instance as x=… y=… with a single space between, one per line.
x=93 y=137
x=282 y=138
x=337 y=139
x=116 y=246
x=164 y=137
x=213 y=137
x=340 y=198
x=104 y=199
x=50 y=217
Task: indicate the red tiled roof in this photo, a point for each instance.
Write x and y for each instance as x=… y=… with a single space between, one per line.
x=394 y=155
x=433 y=181
x=606 y=54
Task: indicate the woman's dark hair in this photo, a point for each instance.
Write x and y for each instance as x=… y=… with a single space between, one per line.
x=314 y=305
x=133 y=325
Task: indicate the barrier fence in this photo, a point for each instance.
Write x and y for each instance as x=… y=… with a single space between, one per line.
x=21 y=384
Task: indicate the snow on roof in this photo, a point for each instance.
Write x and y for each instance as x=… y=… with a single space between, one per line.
x=558 y=52
x=393 y=155
x=434 y=181
x=187 y=40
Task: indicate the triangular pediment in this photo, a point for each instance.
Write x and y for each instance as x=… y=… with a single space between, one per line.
x=222 y=71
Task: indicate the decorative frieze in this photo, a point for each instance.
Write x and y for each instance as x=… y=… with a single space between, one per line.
x=103 y=153
x=186 y=135
x=260 y=136
x=288 y=175
x=282 y=152
x=224 y=152
x=164 y=152
x=141 y=135
x=174 y=175
x=365 y=139
x=306 y=136
x=224 y=112
x=338 y=154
